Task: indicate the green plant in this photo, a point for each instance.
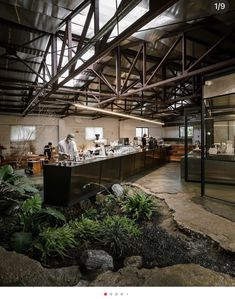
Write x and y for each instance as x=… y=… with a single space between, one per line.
x=108 y=204
x=116 y=233
x=86 y=229
x=91 y=213
x=138 y=206
x=53 y=242
x=14 y=187
x=33 y=218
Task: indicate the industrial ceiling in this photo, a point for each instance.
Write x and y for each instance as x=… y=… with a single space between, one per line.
x=143 y=58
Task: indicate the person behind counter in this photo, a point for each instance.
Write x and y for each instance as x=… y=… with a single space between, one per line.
x=48 y=150
x=67 y=148
x=152 y=143
x=144 y=141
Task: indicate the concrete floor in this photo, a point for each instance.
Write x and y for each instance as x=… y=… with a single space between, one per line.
x=219 y=199
x=207 y=216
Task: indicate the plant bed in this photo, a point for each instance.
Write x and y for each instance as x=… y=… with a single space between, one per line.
x=130 y=224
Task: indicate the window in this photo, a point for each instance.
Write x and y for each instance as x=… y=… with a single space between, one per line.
x=190 y=131
x=90 y=133
x=23 y=133
x=139 y=132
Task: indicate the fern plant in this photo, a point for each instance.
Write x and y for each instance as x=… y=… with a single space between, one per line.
x=54 y=242
x=138 y=206
x=33 y=218
x=116 y=233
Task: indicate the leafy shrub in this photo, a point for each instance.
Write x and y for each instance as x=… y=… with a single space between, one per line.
x=110 y=205
x=91 y=213
x=28 y=208
x=13 y=186
x=54 y=242
x=138 y=206
x=33 y=218
x=116 y=233
x=48 y=217
x=86 y=229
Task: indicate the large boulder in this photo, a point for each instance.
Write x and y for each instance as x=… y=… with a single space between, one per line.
x=19 y=270
x=117 y=190
x=177 y=275
x=97 y=260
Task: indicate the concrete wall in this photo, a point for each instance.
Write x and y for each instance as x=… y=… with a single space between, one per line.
x=113 y=128
x=173 y=132
x=46 y=130
x=54 y=129
x=128 y=128
x=77 y=126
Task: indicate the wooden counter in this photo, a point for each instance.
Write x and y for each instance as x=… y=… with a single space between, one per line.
x=63 y=185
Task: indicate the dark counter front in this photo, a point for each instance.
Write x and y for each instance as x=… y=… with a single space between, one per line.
x=63 y=185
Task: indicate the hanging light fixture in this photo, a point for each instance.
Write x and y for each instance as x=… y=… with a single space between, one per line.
x=117 y=114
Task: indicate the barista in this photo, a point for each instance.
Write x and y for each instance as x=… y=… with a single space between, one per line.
x=67 y=148
x=144 y=141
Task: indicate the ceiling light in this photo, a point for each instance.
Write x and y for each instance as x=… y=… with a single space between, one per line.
x=117 y=114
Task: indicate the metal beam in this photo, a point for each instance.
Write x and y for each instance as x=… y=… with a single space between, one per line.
x=118 y=70
x=84 y=31
x=96 y=22
x=203 y=70
x=155 y=9
x=164 y=59
x=69 y=39
x=54 y=55
x=104 y=80
x=208 y=51
x=29 y=67
x=131 y=68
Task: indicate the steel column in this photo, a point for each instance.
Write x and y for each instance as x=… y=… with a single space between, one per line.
x=202 y=143
x=118 y=71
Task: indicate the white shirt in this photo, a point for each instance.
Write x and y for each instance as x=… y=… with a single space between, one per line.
x=68 y=148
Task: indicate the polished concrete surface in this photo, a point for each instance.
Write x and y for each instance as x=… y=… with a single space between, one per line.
x=207 y=216
x=167 y=179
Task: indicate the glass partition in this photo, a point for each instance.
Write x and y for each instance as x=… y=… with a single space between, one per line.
x=220 y=141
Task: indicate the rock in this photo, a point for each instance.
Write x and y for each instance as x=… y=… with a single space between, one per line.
x=177 y=275
x=97 y=260
x=19 y=270
x=117 y=190
x=83 y=283
x=133 y=261
x=66 y=276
